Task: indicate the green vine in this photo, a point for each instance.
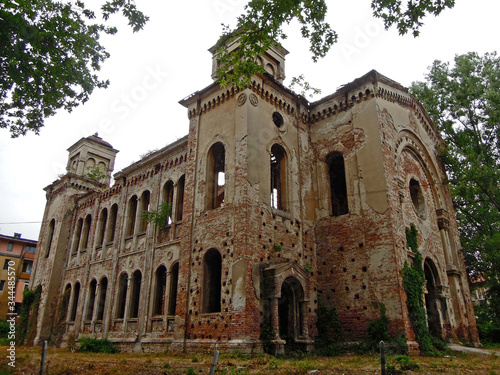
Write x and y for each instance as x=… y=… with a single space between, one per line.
x=267 y=335
x=329 y=339
x=411 y=238
x=59 y=326
x=414 y=282
x=26 y=328
x=277 y=247
x=308 y=267
x=378 y=330
x=159 y=218
x=96 y=173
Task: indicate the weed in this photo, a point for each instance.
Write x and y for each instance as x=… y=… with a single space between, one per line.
x=93 y=345
x=190 y=371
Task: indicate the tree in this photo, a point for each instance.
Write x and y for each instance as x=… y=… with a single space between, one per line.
x=463 y=100
x=262 y=25
x=49 y=57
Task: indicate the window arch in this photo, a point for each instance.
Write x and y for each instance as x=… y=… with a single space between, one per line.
x=278 y=177
x=65 y=302
x=216 y=175
x=160 y=289
x=338 y=186
x=78 y=235
x=91 y=299
x=172 y=295
x=112 y=222
x=168 y=198
x=86 y=231
x=122 y=295
x=180 y=197
x=135 y=294
x=101 y=302
x=103 y=219
x=50 y=236
x=145 y=200
x=132 y=212
x=74 y=305
x=212 y=274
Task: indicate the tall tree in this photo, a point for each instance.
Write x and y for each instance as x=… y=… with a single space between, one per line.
x=463 y=100
x=262 y=25
x=49 y=57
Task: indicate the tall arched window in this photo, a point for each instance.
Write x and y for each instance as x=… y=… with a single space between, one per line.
x=212 y=273
x=78 y=235
x=132 y=212
x=145 y=200
x=278 y=177
x=180 y=197
x=172 y=295
x=65 y=302
x=160 y=289
x=86 y=231
x=168 y=198
x=50 y=235
x=135 y=294
x=103 y=219
x=74 y=305
x=101 y=302
x=338 y=187
x=112 y=223
x=216 y=180
x=91 y=300
x=122 y=296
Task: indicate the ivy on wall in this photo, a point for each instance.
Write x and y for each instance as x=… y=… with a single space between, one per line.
x=26 y=328
x=414 y=283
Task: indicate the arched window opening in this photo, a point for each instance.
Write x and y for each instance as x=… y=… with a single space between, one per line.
x=74 y=305
x=135 y=294
x=50 y=235
x=216 y=175
x=145 y=200
x=212 y=273
x=168 y=198
x=78 y=235
x=338 y=186
x=101 y=302
x=91 y=299
x=112 y=223
x=180 y=197
x=432 y=299
x=122 y=296
x=65 y=302
x=278 y=177
x=290 y=310
x=86 y=231
x=417 y=198
x=103 y=219
x=174 y=280
x=132 y=212
x=160 y=289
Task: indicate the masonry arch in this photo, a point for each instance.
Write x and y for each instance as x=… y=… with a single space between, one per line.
x=160 y=291
x=101 y=302
x=338 y=183
x=135 y=294
x=435 y=306
x=291 y=311
x=101 y=227
x=122 y=295
x=50 y=236
x=131 y=215
x=212 y=275
x=74 y=302
x=168 y=198
x=172 y=295
x=216 y=175
x=91 y=300
x=112 y=223
x=278 y=177
x=180 y=197
x=145 y=206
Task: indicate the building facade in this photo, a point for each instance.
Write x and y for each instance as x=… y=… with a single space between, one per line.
x=268 y=208
x=16 y=258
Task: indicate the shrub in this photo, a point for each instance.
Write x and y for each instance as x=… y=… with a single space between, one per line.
x=93 y=345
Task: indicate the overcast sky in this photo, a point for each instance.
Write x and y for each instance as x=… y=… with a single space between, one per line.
x=152 y=70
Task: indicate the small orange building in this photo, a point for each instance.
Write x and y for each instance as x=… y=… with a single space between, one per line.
x=18 y=254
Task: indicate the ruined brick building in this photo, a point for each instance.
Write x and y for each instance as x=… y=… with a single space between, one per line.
x=278 y=205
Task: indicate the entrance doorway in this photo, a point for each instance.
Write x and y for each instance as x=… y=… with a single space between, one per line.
x=290 y=312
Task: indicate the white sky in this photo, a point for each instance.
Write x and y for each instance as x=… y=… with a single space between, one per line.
x=152 y=70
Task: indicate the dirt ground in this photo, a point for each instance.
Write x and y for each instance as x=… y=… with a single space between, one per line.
x=63 y=362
